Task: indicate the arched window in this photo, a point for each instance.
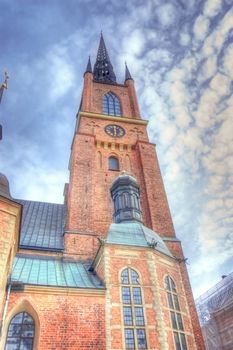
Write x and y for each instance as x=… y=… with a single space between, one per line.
x=133 y=311
x=113 y=163
x=21 y=332
x=111 y=104
x=176 y=319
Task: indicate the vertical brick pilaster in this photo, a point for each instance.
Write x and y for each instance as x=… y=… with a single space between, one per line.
x=157 y=200
x=162 y=336
x=133 y=99
x=86 y=103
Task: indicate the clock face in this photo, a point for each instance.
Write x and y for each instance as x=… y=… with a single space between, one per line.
x=114 y=130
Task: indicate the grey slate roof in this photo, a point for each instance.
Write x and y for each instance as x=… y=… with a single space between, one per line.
x=136 y=234
x=42 y=225
x=47 y=271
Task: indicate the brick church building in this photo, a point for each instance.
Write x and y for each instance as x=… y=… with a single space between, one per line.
x=105 y=269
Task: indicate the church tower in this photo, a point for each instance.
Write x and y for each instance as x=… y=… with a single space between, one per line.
x=105 y=269
x=118 y=216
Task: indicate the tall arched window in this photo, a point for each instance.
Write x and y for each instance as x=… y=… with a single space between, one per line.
x=111 y=104
x=133 y=312
x=113 y=163
x=21 y=332
x=176 y=319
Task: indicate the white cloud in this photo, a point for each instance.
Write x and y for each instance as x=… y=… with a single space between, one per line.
x=212 y=7
x=60 y=71
x=201 y=27
x=134 y=43
x=166 y=14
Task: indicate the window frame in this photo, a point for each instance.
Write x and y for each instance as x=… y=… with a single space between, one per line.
x=132 y=283
x=111 y=105
x=21 y=325
x=176 y=319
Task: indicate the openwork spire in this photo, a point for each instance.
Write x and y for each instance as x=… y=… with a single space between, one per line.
x=103 y=70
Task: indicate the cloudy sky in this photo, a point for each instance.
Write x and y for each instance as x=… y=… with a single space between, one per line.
x=180 y=53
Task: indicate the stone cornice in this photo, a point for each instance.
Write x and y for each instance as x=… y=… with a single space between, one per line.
x=122 y=119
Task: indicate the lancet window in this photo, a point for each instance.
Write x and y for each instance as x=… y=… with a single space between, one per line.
x=175 y=313
x=111 y=104
x=133 y=311
x=21 y=331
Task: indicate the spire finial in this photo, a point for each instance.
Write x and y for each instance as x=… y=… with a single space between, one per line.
x=103 y=70
x=127 y=73
x=89 y=68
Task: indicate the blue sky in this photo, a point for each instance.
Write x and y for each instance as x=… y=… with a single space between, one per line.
x=180 y=53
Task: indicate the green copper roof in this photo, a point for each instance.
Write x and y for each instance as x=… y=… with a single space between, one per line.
x=53 y=272
x=136 y=234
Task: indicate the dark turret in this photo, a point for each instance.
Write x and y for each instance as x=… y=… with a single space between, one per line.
x=125 y=194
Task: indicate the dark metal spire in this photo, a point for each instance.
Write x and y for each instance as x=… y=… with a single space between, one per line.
x=103 y=70
x=89 y=68
x=127 y=73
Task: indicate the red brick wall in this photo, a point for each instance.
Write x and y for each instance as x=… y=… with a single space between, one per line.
x=93 y=93
x=66 y=321
x=150 y=265
x=90 y=207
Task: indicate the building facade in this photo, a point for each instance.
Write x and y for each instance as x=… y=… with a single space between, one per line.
x=105 y=269
x=215 y=310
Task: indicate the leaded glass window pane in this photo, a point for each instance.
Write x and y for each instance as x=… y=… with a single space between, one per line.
x=20 y=332
x=126 y=299
x=174 y=322
x=179 y=322
x=170 y=301
x=176 y=302
x=139 y=317
x=111 y=104
x=134 y=277
x=137 y=297
x=125 y=276
x=141 y=338
x=128 y=319
x=183 y=341
x=129 y=339
x=177 y=341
